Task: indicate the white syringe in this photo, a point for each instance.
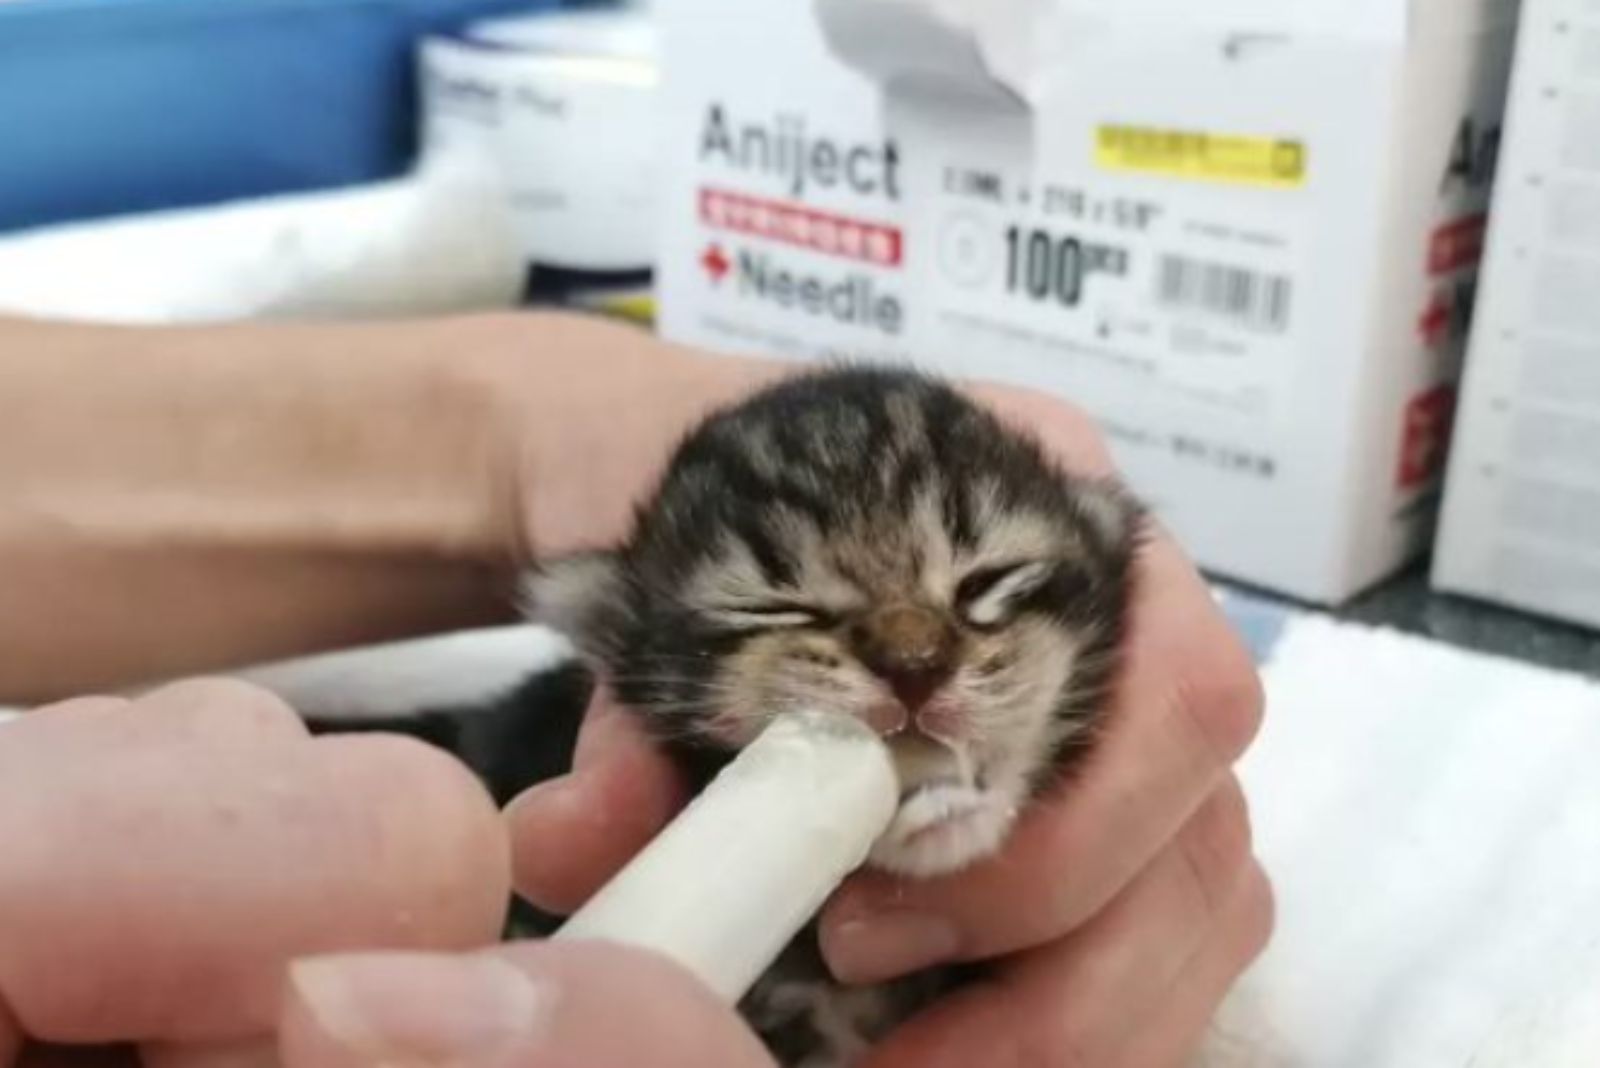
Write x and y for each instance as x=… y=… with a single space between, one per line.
x=729 y=882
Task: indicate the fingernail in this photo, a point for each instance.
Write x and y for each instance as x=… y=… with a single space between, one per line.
x=421 y=1009
x=887 y=945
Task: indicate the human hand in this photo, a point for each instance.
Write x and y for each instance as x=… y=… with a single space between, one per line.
x=530 y=1005
x=1122 y=907
x=168 y=858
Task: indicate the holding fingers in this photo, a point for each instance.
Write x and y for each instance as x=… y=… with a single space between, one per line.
x=1111 y=985
x=557 y=1005
x=167 y=856
x=1185 y=707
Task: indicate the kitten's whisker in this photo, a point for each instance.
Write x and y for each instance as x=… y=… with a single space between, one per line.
x=675 y=681
x=671 y=683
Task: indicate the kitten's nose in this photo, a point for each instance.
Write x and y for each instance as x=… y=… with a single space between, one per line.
x=911 y=648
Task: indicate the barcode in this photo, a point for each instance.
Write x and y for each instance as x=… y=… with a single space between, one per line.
x=1249 y=298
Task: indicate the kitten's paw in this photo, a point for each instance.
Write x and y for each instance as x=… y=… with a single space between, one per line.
x=943 y=828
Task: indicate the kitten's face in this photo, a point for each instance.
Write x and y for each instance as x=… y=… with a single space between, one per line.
x=868 y=544
x=946 y=652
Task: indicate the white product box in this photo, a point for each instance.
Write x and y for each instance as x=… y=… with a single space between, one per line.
x=1522 y=512
x=553 y=116
x=1242 y=234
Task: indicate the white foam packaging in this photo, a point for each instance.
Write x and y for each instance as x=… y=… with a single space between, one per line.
x=1242 y=235
x=1522 y=510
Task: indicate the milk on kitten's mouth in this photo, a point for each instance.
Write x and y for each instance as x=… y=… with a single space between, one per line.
x=946 y=817
x=926 y=808
x=941 y=829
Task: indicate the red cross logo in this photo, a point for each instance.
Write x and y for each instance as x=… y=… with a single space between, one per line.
x=716 y=264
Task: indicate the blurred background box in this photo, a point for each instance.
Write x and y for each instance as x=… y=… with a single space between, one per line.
x=117 y=106
x=1522 y=510
x=557 y=114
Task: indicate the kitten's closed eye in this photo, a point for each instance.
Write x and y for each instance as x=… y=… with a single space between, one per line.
x=773 y=615
x=989 y=596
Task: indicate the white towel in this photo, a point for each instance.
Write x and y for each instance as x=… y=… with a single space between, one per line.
x=440 y=241
x=1431 y=819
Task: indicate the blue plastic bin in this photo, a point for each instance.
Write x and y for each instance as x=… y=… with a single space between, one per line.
x=112 y=106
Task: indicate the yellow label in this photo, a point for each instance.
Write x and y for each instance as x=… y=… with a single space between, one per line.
x=636 y=308
x=1205 y=157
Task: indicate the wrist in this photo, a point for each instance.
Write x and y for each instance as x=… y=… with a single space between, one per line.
x=191 y=499
x=586 y=414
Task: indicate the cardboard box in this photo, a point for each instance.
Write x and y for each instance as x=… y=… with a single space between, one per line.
x=1240 y=234
x=1522 y=512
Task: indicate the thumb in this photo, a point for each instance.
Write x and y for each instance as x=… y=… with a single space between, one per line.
x=530 y=1005
x=570 y=835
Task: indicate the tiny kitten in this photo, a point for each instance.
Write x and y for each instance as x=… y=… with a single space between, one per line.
x=871 y=542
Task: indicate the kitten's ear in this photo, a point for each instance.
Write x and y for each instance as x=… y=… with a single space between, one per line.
x=1112 y=512
x=582 y=596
